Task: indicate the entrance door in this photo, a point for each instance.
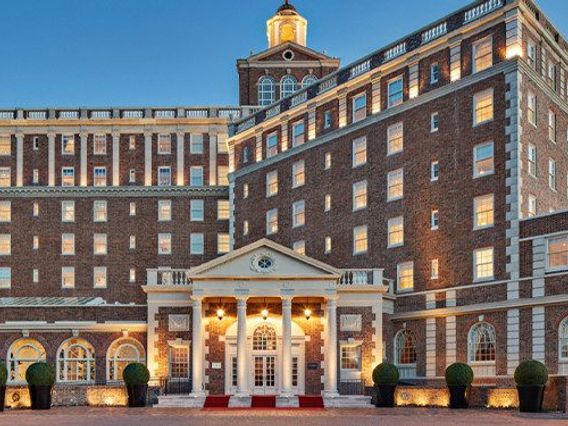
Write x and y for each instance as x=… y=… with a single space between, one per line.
x=264 y=374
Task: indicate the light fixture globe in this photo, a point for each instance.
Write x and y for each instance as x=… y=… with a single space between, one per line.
x=264 y=314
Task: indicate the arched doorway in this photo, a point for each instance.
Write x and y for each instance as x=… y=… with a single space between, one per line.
x=264 y=356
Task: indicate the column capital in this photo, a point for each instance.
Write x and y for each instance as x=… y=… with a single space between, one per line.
x=332 y=300
x=196 y=300
x=241 y=300
x=287 y=301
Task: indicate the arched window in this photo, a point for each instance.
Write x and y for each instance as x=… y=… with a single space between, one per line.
x=23 y=353
x=309 y=80
x=122 y=352
x=481 y=343
x=405 y=348
x=264 y=338
x=563 y=340
x=76 y=361
x=266 y=87
x=288 y=85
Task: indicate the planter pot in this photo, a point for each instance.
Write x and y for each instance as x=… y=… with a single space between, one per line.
x=2 y=397
x=459 y=396
x=385 y=396
x=137 y=395
x=40 y=397
x=530 y=398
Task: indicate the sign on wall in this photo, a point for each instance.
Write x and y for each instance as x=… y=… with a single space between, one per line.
x=350 y=323
x=178 y=322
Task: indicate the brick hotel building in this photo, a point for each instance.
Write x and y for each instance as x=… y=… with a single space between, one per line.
x=411 y=206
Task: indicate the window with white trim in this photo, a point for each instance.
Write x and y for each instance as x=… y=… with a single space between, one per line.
x=396 y=232
x=23 y=353
x=35 y=276
x=164 y=210
x=5 y=244
x=483 y=160
x=271 y=221
x=100 y=244
x=298 y=174
x=5 y=177
x=222 y=147
x=5 y=277
x=271 y=145
x=223 y=243
x=223 y=175
x=67 y=176
x=350 y=359
x=557 y=253
x=35 y=242
x=196 y=244
x=100 y=211
x=434 y=122
x=327 y=120
x=483 y=107
x=532 y=157
x=196 y=143
x=197 y=210
x=132 y=209
x=68 y=277
x=100 y=176
x=35 y=143
x=532 y=206
x=481 y=343
x=245 y=191
x=298 y=133
x=395 y=138
x=100 y=145
x=5 y=145
x=35 y=209
x=245 y=227
x=327 y=161
x=395 y=185
x=298 y=214
x=266 y=91
x=434 y=269
x=359 y=195
x=76 y=362
x=5 y=211
x=327 y=203
x=359 y=152
x=359 y=107
x=299 y=247
x=483 y=264
x=67 y=144
x=196 y=176
x=288 y=85
x=132 y=242
x=551 y=126
x=532 y=105
x=405 y=349
x=360 y=241
x=434 y=171
x=434 y=73
x=483 y=211
x=68 y=244
x=100 y=277
x=552 y=174
x=132 y=176
x=35 y=176
x=482 y=52
x=395 y=92
x=164 y=176
x=132 y=142
x=164 y=243
x=531 y=53
x=164 y=144
x=178 y=363
x=223 y=210
x=434 y=219
x=121 y=353
x=272 y=183
x=327 y=245
x=405 y=276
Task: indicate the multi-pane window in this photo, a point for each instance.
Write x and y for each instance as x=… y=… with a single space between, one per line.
x=405 y=348
x=434 y=269
x=223 y=243
x=483 y=161
x=299 y=247
x=532 y=206
x=68 y=277
x=271 y=221
x=5 y=177
x=532 y=169
x=67 y=144
x=196 y=143
x=164 y=176
x=100 y=244
x=483 y=264
x=298 y=174
x=327 y=248
x=395 y=138
x=551 y=126
x=557 y=253
x=164 y=243
x=5 y=277
x=434 y=219
x=68 y=211
x=5 y=244
x=298 y=133
x=434 y=171
x=266 y=91
x=298 y=214
x=223 y=175
x=179 y=363
x=272 y=183
x=100 y=176
x=552 y=174
x=288 y=85
x=434 y=73
x=327 y=120
x=68 y=244
x=196 y=176
x=532 y=105
x=100 y=145
x=100 y=277
x=359 y=152
x=164 y=210
x=132 y=209
x=164 y=144
x=67 y=176
x=5 y=211
x=434 y=122
x=327 y=161
x=482 y=54
x=100 y=211
x=5 y=145
x=197 y=210
x=360 y=242
x=351 y=357
x=132 y=242
x=196 y=243
x=483 y=211
x=223 y=211
x=396 y=232
x=405 y=276
x=481 y=343
x=359 y=108
x=395 y=92
x=359 y=195
x=271 y=145
x=395 y=185
x=222 y=147
x=483 y=107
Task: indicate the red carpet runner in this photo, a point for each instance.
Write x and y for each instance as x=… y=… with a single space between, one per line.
x=312 y=401
x=216 y=401
x=263 y=401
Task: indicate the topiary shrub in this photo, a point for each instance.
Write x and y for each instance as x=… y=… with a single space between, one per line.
x=459 y=374
x=531 y=373
x=3 y=374
x=136 y=374
x=385 y=374
x=40 y=374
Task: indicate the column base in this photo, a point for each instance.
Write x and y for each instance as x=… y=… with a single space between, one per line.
x=199 y=394
x=330 y=394
x=286 y=394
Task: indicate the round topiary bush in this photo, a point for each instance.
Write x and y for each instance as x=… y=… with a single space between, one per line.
x=385 y=374
x=459 y=374
x=40 y=374
x=136 y=374
x=531 y=373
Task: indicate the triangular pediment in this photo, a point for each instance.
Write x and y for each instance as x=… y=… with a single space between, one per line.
x=264 y=259
x=301 y=53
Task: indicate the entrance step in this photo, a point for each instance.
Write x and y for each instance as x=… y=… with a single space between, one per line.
x=263 y=401
x=237 y=401
x=180 y=401
x=347 y=401
x=217 y=401
x=310 y=401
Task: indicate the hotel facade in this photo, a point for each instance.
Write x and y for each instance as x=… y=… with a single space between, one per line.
x=411 y=206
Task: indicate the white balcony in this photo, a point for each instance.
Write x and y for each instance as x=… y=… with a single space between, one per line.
x=167 y=277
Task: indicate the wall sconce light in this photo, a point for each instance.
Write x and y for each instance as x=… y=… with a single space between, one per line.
x=308 y=313
x=264 y=314
x=220 y=314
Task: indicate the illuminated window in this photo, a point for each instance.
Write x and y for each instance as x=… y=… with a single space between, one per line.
x=164 y=243
x=552 y=126
x=272 y=183
x=122 y=352
x=405 y=276
x=67 y=144
x=360 y=243
x=5 y=145
x=327 y=249
x=35 y=211
x=100 y=277
x=245 y=227
x=5 y=211
x=298 y=214
x=327 y=203
x=131 y=142
x=76 y=362
x=359 y=108
x=266 y=95
x=483 y=107
x=298 y=133
x=272 y=221
x=483 y=162
x=395 y=138
x=532 y=169
x=132 y=275
x=5 y=244
x=68 y=277
x=178 y=361
x=557 y=253
x=482 y=54
x=223 y=175
x=481 y=343
x=100 y=176
x=264 y=338
x=197 y=243
x=288 y=85
x=132 y=176
x=532 y=105
x=35 y=276
x=298 y=174
x=552 y=174
x=396 y=232
x=434 y=269
x=271 y=145
x=196 y=176
x=405 y=348
x=100 y=244
x=165 y=144
x=532 y=206
x=35 y=243
x=359 y=195
x=223 y=243
x=197 y=210
x=132 y=242
x=245 y=190
x=327 y=161
x=5 y=277
x=132 y=208
x=395 y=185
x=395 y=93
x=164 y=176
x=68 y=244
x=483 y=264
x=222 y=147
x=196 y=143
x=67 y=176
x=299 y=247
x=23 y=353
x=100 y=145
x=483 y=211
x=359 y=152
x=351 y=357
x=100 y=211
x=223 y=211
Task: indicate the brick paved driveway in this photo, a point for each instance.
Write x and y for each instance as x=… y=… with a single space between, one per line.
x=85 y=416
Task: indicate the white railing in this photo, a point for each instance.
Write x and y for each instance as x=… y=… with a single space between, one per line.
x=395 y=51
x=361 y=277
x=328 y=84
x=37 y=115
x=6 y=115
x=165 y=114
x=434 y=33
x=132 y=114
x=275 y=110
x=482 y=9
x=100 y=114
x=359 y=69
x=299 y=99
x=167 y=277
x=230 y=113
x=68 y=115
x=197 y=113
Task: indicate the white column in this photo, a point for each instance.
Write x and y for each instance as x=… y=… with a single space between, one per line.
x=116 y=159
x=151 y=341
x=242 y=372
x=83 y=171
x=148 y=159
x=180 y=145
x=197 y=347
x=331 y=351
x=286 y=346
x=51 y=159
x=19 y=159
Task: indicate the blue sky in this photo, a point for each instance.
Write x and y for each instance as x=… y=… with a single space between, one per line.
x=179 y=52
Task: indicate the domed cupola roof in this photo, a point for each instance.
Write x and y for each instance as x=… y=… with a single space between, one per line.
x=287 y=9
